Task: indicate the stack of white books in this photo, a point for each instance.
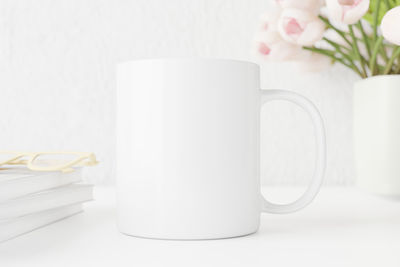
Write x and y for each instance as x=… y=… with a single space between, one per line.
x=31 y=199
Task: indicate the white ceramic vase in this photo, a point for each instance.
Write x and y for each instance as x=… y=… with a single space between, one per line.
x=377 y=134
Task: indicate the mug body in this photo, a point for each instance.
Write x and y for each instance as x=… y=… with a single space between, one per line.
x=188 y=148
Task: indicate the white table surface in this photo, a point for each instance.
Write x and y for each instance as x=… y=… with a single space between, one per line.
x=343 y=227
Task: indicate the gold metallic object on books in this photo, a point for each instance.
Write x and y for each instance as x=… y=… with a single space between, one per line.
x=48 y=161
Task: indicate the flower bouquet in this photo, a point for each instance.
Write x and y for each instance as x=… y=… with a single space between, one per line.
x=362 y=35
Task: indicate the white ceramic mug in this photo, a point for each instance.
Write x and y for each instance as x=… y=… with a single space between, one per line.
x=188 y=135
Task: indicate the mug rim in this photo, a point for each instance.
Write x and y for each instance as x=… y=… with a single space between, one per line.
x=187 y=59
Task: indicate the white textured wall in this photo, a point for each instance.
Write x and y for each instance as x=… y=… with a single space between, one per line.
x=57 y=87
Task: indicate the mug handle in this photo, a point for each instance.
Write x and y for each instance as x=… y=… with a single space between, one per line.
x=320 y=163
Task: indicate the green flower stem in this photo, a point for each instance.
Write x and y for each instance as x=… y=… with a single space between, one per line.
x=365 y=38
x=340 y=32
x=348 y=49
x=396 y=53
x=375 y=51
x=337 y=47
x=382 y=52
x=331 y=54
x=357 y=51
x=338 y=50
x=397 y=70
x=326 y=52
x=375 y=19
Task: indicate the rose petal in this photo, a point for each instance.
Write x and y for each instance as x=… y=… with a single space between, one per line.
x=300 y=27
x=263 y=49
x=276 y=48
x=312 y=33
x=348 y=14
x=346 y=2
x=390 y=25
x=293 y=27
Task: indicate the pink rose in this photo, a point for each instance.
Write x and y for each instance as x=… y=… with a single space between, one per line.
x=347 y=11
x=300 y=27
x=271 y=46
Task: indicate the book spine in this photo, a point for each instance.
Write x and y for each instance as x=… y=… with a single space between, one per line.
x=13 y=228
